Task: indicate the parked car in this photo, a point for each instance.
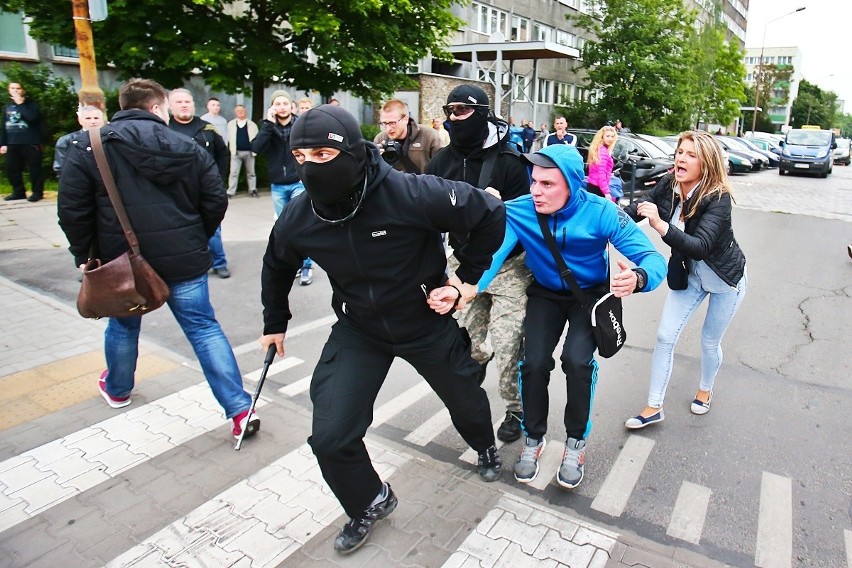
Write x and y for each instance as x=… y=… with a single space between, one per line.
x=737 y=164
x=731 y=143
x=841 y=153
x=758 y=161
x=766 y=144
x=773 y=158
x=808 y=151
x=664 y=146
x=629 y=149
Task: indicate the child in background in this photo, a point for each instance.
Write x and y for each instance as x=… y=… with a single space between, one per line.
x=600 y=161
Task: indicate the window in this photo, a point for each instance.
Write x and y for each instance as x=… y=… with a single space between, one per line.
x=14 y=39
x=67 y=52
x=520 y=29
x=542 y=32
x=565 y=38
x=564 y=92
x=749 y=77
x=545 y=91
x=522 y=88
x=489 y=20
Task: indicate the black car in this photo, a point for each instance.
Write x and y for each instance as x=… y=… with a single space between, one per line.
x=631 y=154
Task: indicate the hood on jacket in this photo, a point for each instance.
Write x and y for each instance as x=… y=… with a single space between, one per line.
x=145 y=143
x=570 y=163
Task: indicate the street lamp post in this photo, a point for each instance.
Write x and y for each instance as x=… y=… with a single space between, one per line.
x=90 y=92
x=758 y=73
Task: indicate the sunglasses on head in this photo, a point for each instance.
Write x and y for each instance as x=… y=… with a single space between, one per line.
x=460 y=109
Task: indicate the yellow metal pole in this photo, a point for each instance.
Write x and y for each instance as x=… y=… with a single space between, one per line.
x=90 y=93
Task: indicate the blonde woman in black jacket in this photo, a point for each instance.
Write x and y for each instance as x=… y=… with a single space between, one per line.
x=691 y=210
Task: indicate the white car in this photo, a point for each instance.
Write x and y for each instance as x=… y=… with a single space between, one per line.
x=841 y=153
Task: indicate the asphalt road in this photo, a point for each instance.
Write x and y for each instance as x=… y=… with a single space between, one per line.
x=780 y=403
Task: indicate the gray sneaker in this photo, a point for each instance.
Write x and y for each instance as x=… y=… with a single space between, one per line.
x=573 y=460
x=527 y=467
x=306 y=276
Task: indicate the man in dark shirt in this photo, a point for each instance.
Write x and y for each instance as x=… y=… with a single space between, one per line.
x=241 y=132
x=20 y=141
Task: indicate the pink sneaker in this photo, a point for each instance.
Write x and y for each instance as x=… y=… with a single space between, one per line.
x=113 y=401
x=241 y=420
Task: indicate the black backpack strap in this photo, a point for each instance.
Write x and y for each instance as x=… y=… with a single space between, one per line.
x=561 y=265
x=488 y=167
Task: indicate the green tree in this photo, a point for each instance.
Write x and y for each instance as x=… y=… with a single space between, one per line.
x=717 y=75
x=814 y=106
x=639 y=62
x=363 y=46
x=769 y=77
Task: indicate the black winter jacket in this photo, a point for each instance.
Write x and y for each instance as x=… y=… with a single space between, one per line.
x=379 y=261
x=170 y=188
x=274 y=141
x=708 y=234
x=207 y=137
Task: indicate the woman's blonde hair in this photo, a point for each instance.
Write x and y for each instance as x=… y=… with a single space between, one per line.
x=714 y=172
x=597 y=142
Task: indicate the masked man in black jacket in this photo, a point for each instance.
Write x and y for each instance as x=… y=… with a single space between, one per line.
x=175 y=199
x=377 y=233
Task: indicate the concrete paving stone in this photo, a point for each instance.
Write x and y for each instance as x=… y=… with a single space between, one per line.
x=324 y=556
x=398 y=544
x=88 y=480
x=14 y=462
x=520 y=509
x=637 y=558
x=316 y=499
x=694 y=560
x=302 y=528
x=596 y=537
x=262 y=548
x=526 y=536
x=21 y=476
x=70 y=466
x=7 y=502
x=516 y=557
x=28 y=543
x=561 y=550
x=566 y=527
x=51 y=452
x=64 y=555
x=599 y=560
x=469 y=510
x=113 y=498
x=13 y=516
x=426 y=554
x=408 y=512
x=437 y=529
x=487 y=550
x=272 y=509
x=118 y=459
x=618 y=549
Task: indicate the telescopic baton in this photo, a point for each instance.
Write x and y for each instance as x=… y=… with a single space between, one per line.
x=267 y=361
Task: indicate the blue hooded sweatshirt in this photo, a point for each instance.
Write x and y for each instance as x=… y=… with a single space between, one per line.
x=582 y=228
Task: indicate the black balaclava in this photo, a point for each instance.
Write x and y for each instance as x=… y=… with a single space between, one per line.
x=334 y=186
x=469 y=134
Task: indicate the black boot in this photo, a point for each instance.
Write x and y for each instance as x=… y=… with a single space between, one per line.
x=35 y=197
x=356 y=531
x=510 y=429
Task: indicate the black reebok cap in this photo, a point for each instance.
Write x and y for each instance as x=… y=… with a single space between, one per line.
x=469 y=95
x=327 y=126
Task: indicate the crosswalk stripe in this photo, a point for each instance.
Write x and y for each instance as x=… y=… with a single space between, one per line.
x=548 y=464
x=621 y=479
x=847 y=536
x=298 y=387
x=427 y=431
x=690 y=510
x=58 y=470
x=274 y=368
x=774 y=547
x=258 y=522
x=400 y=403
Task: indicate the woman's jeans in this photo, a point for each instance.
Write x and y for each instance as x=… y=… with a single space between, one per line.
x=282 y=194
x=190 y=304
x=679 y=307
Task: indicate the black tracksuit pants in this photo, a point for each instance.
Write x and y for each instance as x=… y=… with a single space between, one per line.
x=545 y=320
x=352 y=367
x=18 y=157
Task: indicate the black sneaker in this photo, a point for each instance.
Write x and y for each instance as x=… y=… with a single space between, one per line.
x=510 y=429
x=356 y=531
x=489 y=465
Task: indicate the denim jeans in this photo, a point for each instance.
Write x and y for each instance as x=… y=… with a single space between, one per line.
x=190 y=304
x=679 y=307
x=282 y=194
x=217 y=249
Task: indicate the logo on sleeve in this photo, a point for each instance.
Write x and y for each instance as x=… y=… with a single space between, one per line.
x=453 y=196
x=623 y=219
x=382 y=233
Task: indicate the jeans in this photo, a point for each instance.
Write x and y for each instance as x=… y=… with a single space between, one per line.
x=679 y=307
x=217 y=249
x=282 y=194
x=237 y=161
x=190 y=304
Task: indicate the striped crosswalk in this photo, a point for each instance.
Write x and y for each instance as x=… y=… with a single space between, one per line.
x=268 y=516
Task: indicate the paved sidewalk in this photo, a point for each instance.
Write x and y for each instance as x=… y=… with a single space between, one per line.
x=84 y=485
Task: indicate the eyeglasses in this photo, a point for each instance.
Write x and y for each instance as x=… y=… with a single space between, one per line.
x=391 y=123
x=460 y=109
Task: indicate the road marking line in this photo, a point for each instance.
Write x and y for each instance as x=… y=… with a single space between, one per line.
x=298 y=387
x=847 y=536
x=400 y=403
x=689 y=513
x=622 y=478
x=274 y=368
x=427 y=431
x=291 y=333
x=774 y=547
x=45 y=476
x=260 y=521
x=548 y=464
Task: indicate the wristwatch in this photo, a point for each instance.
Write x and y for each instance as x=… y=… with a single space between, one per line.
x=640 y=279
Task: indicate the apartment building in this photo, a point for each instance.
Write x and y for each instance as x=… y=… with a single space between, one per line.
x=783 y=93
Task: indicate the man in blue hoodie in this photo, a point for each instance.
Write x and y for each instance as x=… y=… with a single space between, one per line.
x=582 y=225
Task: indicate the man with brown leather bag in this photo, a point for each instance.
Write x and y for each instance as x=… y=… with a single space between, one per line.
x=174 y=199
